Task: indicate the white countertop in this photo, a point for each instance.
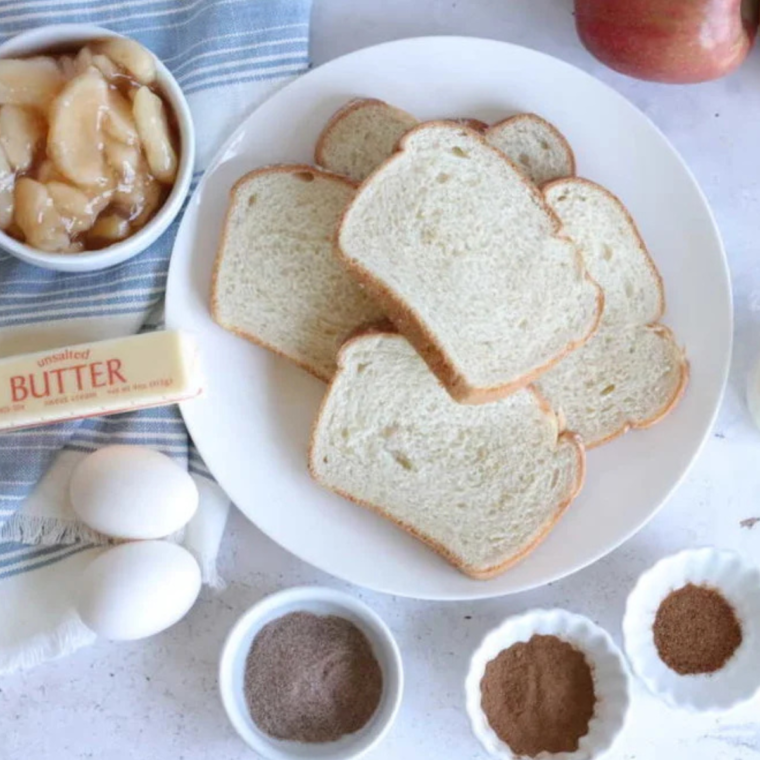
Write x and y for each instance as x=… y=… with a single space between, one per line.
x=158 y=698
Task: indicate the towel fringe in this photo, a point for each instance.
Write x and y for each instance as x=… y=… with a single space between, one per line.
x=51 y=531
x=48 y=531
x=66 y=638
x=209 y=574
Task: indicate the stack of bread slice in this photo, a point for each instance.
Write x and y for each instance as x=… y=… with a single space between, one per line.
x=482 y=317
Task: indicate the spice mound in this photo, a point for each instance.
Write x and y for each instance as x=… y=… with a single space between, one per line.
x=311 y=678
x=538 y=696
x=696 y=630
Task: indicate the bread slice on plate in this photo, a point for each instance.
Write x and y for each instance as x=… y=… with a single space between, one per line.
x=481 y=485
x=366 y=131
x=632 y=372
x=277 y=281
x=535 y=145
x=612 y=248
x=626 y=376
x=466 y=258
x=360 y=136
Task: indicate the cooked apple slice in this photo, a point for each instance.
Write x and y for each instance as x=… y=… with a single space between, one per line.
x=106 y=66
x=75 y=139
x=119 y=121
x=110 y=227
x=67 y=66
x=77 y=209
x=82 y=60
x=7 y=181
x=153 y=128
x=125 y=161
x=21 y=132
x=39 y=220
x=138 y=194
x=141 y=200
x=30 y=81
x=152 y=198
x=131 y=56
x=46 y=172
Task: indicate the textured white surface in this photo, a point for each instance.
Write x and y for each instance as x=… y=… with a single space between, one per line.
x=158 y=698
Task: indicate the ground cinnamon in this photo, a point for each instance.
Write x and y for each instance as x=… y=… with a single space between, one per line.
x=538 y=696
x=696 y=630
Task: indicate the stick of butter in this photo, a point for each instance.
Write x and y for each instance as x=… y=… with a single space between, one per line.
x=93 y=379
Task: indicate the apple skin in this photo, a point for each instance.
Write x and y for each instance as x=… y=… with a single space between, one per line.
x=675 y=41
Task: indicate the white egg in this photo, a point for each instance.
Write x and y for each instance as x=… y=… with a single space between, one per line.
x=132 y=492
x=138 y=589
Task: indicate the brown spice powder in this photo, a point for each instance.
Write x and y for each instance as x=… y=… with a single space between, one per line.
x=696 y=630
x=539 y=696
x=311 y=678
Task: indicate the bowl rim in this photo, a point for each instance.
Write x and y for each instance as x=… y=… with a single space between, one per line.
x=40 y=37
x=292 y=596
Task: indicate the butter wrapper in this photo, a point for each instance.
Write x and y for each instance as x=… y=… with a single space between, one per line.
x=93 y=379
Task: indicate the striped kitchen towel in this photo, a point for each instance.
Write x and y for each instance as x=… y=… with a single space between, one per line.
x=228 y=56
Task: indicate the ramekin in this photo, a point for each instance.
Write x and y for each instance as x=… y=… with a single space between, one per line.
x=739 y=583
x=320 y=601
x=58 y=35
x=611 y=682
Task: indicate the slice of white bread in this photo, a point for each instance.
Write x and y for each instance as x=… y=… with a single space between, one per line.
x=481 y=485
x=466 y=258
x=360 y=136
x=366 y=131
x=535 y=145
x=625 y=376
x=632 y=372
x=612 y=248
x=277 y=281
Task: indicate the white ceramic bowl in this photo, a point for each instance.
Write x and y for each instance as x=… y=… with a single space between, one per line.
x=607 y=665
x=739 y=582
x=57 y=35
x=320 y=601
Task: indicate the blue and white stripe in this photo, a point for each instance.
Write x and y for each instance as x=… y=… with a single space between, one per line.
x=18 y=558
x=207 y=44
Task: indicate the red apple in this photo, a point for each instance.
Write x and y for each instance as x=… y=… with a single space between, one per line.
x=668 y=40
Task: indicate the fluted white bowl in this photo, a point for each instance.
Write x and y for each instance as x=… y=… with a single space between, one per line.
x=607 y=665
x=739 y=582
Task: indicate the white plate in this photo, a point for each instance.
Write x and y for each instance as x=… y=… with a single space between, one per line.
x=252 y=427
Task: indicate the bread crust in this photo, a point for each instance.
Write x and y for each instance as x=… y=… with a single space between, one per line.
x=223 y=238
x=411 y=325
x=665 y=332
x=466 y=121
x=345 y=110
x=533 y=117
x=627 y=214
x=659 y=415
x=443 y=551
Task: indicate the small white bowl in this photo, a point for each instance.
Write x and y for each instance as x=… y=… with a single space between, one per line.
x=57 y=35
x=607 y=665
x=739 y=583
x=320 y=601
